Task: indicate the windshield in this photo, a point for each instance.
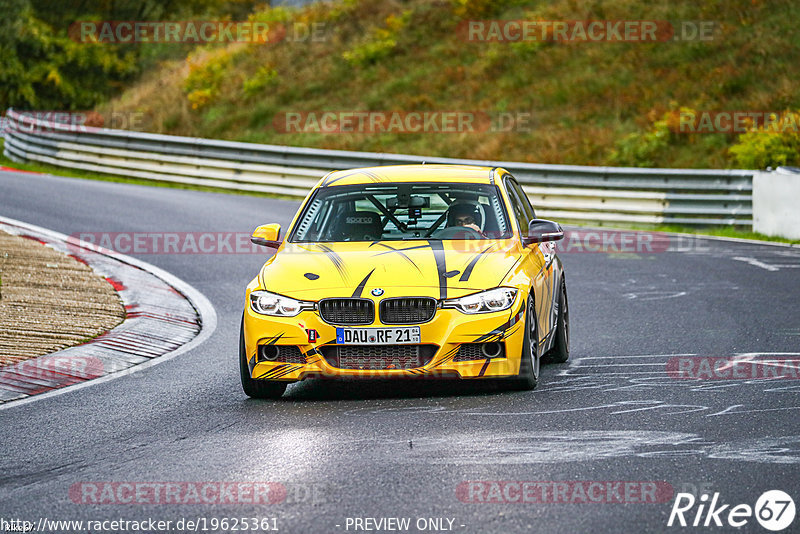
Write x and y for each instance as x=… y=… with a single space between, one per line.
x=403 y=211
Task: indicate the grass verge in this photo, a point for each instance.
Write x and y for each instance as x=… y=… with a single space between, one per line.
x=732 y=232
x=725 y=231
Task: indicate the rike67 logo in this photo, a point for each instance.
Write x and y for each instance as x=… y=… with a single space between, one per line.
x=774 y=511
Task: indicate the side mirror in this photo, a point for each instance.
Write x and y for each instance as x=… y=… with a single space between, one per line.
x=267 y=235
x=541 y=230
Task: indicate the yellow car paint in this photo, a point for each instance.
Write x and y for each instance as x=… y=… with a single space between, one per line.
x=420 y=268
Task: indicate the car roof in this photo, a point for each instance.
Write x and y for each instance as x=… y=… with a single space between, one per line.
x=410 y=173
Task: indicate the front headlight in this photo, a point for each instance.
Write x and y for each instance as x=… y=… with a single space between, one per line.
x=493 y=300
x=267 y=303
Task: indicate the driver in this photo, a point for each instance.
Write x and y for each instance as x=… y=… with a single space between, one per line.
x=464 y=214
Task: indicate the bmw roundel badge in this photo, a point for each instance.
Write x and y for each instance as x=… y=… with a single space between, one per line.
x=377 y=292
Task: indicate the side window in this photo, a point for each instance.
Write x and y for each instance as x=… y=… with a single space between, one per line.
x=524 y=200
x=516 y=205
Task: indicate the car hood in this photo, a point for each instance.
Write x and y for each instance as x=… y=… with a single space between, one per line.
x=440 y=269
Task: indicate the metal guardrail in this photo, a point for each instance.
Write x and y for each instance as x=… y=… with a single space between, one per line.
x=563 y=192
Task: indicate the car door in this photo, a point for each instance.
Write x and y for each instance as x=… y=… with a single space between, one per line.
x=535 y=261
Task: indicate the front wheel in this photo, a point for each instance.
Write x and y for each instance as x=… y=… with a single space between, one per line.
x=528 y=375
x=560 y=351
x=257 y=389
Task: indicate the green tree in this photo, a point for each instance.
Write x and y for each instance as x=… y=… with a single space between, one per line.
x=45 y=69
x=41 y=67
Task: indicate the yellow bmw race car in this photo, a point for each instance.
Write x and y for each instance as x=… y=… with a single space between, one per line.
x=407 y=271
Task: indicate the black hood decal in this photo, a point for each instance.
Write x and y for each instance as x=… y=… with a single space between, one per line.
x=360 y=288
x=336 y=260
x=399 y=251
x=441 y=267
x=471 y=265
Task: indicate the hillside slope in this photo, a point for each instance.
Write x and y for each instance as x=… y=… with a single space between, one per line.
x=594 y=103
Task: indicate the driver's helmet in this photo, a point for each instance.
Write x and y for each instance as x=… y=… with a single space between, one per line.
x=461 y=209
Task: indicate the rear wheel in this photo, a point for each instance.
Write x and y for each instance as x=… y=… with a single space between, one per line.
x=257 y=389
x=560 y=351
x=528 y=375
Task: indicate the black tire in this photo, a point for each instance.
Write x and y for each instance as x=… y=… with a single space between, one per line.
x=529 y=367
x=257 y=389
x=560 y=351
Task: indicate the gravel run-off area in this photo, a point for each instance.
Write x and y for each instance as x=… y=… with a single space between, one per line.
x=49 y=301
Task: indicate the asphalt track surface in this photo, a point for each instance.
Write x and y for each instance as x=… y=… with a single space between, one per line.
x=382 y=449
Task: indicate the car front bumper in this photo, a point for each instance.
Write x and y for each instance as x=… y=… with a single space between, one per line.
x=307 y=345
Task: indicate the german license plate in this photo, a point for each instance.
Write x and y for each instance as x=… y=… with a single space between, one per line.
x=407 y=335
